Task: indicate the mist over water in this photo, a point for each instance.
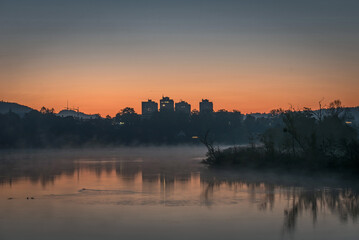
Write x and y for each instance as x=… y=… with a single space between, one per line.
x=165 y=193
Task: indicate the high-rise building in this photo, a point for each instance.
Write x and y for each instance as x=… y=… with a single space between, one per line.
x=205 y=106
x=183 y=106
x=166 y=104
x=148 y=108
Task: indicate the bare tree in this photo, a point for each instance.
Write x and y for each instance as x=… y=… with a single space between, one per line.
x=336 y=107
x=319 y=114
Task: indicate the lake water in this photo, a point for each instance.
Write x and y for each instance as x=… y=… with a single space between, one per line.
x=165 y=193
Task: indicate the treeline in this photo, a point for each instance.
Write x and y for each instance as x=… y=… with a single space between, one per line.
x=38 y=129
x=305 y=139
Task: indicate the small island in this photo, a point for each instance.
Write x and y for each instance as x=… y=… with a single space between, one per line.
x=306 y=139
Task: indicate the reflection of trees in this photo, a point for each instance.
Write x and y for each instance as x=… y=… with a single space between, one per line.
x=36 y=170
x=269 y=197
x=207 y=194
x=344 y=203
x=45 y=168
x=209 y=185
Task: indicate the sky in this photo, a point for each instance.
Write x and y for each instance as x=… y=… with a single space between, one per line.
x=252 y=56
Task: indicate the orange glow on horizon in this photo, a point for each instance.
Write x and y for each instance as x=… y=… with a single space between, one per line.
x=244 y=101
x=244 y=86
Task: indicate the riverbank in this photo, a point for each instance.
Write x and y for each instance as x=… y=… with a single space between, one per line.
x=262 y=158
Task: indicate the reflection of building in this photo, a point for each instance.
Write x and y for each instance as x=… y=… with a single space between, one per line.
x=183 y=107
x=148 y=108
x=205 y=106
x=166 y=104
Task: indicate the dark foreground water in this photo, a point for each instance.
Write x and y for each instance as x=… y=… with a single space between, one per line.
x=165 y=193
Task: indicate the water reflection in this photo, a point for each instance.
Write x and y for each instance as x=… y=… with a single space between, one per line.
x=341 y=202
x=171 y=179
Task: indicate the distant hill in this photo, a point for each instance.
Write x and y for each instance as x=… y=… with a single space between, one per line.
x=75 y=114
x=21 y=110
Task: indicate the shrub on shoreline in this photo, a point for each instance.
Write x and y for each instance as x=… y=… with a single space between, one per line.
x=306 y=140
